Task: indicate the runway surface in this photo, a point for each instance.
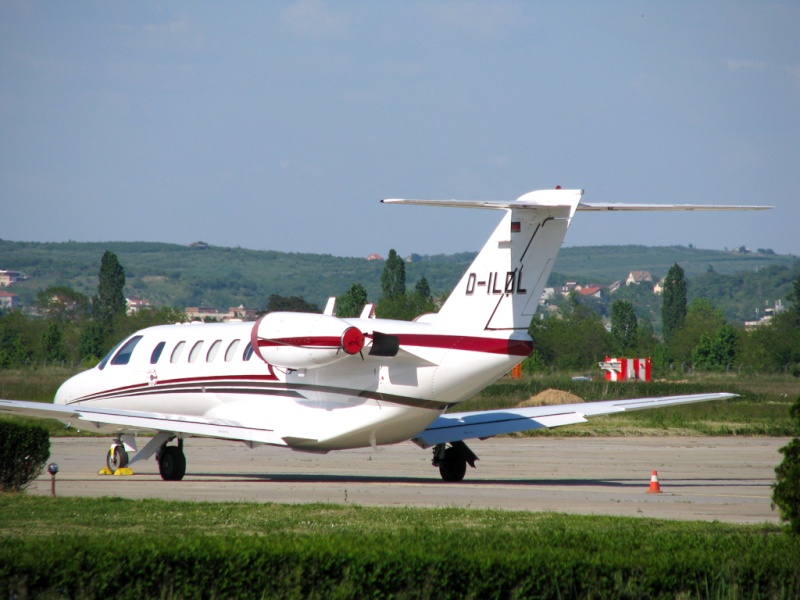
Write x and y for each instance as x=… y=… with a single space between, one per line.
x=724 y=479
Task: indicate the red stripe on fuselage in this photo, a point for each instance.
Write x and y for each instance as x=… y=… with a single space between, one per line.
x=468 y=343
x=270 y=377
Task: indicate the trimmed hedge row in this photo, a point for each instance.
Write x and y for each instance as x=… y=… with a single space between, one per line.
x=24 y=449
x=420 y=563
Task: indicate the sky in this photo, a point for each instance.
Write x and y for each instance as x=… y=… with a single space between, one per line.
x=280 y=125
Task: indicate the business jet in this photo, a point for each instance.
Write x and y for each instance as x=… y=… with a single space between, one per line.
x=318 y=382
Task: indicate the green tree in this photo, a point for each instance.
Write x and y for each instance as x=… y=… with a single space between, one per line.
x=393 y=278
x=16 y=345
x=793 y=312
x=422 y=299
x=351 y=303
x=673 y=308
x=394 y=303
x=786 y=490
x=716 y=351
x=92 y=341
x=110 y=299
x=574 y=339
x=52 y=343
x=624 y=326
x=646 y=340
x=61 y=303
x=702 y=319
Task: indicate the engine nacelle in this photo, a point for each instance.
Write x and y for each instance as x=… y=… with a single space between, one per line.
x=303 y=340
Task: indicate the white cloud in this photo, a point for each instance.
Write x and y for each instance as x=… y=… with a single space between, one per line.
x=480 y=19
x=177 y=33
x=312 y=17
x=794 y=73
x=745 y=64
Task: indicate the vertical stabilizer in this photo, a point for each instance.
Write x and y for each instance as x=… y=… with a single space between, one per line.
x=501 y=289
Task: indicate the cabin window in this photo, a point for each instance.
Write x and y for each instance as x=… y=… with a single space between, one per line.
x=176 y=353
x=124 y=355
x=157 y=352
x=195 y=351
x=212 y=352
x=231 y=351
x=248 y=352
x=108 y=356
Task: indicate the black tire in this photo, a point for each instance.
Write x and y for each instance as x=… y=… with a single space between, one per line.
x=117 y=458
x=172 y=463
x=454 y=465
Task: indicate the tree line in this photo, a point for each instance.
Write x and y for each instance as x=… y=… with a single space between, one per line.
x=695 y=336
x=74 y=328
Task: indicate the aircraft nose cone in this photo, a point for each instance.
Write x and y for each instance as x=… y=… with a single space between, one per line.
x=71 y=389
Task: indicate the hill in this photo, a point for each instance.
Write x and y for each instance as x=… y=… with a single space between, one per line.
x=174 y=275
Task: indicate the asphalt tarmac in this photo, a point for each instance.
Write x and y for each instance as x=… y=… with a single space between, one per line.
x=725 y=479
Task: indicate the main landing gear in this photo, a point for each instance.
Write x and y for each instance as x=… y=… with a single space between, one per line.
x=452 y=461
x=171 y=462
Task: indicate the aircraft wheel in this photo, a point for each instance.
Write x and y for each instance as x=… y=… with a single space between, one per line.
x=117 y=458
x=454 y=465
x=171 y=463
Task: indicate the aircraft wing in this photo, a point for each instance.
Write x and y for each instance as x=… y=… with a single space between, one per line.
x=88 y=418
x=454 y=427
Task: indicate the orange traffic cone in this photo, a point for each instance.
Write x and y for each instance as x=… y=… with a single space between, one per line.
x=654 y=487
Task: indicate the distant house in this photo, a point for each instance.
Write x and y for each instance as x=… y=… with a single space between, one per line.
x=374 y=257
x=136 y=304
x=591 y=291
x=9 y=277
x=568 y=288
x=658 y=288
x=766 y=317
x=637 y=277
x=614 y=286
x=198 y=245
x=8 y=300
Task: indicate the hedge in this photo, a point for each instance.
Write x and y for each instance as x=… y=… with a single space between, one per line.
x=24 y=450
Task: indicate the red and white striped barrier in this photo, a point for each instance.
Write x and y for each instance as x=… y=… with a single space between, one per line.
x=621 y=369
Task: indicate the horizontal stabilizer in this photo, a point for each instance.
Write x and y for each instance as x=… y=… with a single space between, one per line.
x=583 y=206
x=661 y=207
x=454 y=427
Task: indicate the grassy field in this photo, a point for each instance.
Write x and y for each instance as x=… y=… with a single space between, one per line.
x=109 y=547
x=761 y=409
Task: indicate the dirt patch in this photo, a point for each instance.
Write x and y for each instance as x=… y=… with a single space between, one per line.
x=551 y=397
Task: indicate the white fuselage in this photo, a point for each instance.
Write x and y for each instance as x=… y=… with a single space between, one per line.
x=209 y=370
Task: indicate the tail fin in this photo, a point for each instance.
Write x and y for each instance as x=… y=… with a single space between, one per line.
x=501 y=289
